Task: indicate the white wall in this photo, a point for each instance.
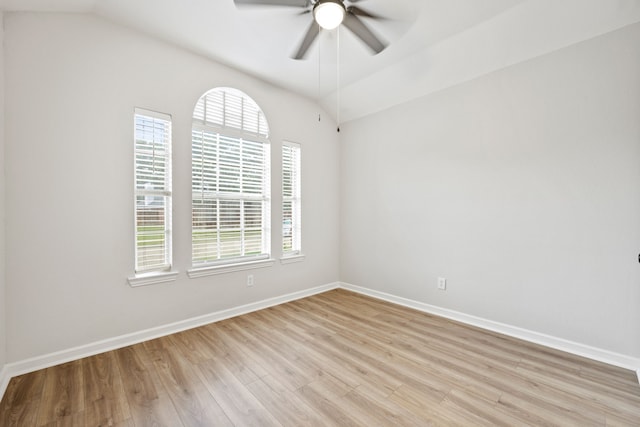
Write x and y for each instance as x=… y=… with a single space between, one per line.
x=520 y=187
x=72 y=82
x=2 y=205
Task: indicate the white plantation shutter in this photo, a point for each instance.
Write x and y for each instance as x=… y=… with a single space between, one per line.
x=230 y=179
x=230 y=108
x=152 y=152
x=291 y=199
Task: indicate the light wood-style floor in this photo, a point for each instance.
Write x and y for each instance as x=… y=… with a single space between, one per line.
x=337 y=358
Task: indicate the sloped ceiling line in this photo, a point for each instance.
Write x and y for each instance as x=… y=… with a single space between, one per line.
x=435 y=44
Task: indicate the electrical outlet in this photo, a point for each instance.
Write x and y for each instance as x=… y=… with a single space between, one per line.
x=250 y=280
x=442 y=283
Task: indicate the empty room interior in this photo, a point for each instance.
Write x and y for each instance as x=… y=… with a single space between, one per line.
x=227 y=212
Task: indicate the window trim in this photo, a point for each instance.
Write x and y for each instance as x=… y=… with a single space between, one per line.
x=164 y=273
x=153 y=278
x=221 y=268
x=222 y=265
x=295 y=254
x=291 y=259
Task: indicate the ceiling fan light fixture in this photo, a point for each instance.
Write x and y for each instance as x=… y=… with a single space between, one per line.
x=329 y=13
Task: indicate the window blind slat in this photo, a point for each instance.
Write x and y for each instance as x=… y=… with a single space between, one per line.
x=229 y=178
x=291 y=199
x=152 y=153
x=232 y=109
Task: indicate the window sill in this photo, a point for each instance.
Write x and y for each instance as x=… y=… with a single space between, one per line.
x=152 y=278
x=228 y=268
x=290 y=259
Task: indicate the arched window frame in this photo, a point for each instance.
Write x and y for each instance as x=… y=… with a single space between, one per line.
x=231 y=182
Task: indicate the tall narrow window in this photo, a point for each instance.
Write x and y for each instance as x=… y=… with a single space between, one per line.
x=152 y=191
x=230 y=180
x=291 y=208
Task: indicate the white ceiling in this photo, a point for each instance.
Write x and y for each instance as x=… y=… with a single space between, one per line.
x=433 y=43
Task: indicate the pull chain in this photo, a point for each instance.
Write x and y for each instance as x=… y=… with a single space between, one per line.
x=338 y=82
x=319 y=67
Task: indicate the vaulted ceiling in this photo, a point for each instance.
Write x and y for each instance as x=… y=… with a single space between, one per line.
x=433 y=43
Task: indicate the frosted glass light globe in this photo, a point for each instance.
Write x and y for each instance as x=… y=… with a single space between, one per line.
x=329 y=14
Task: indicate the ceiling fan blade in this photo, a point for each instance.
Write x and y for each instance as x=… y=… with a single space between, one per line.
x=360 y=30
x=361 y=12
x=309 y=37
x=292 y=3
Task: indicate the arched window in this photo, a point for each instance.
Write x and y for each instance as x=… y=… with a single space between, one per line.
x=230 y=180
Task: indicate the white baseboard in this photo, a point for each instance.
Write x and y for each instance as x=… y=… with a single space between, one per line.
x=11 y=370
x=40 y=362
x=4 y=380
x=594 y=353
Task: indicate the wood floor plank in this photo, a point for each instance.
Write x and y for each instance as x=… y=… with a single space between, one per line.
x=508 y=378
x=284 y=405
x=599 y=400
x=239 y=404
x=436 y=336
x=149 y=407
x=325 y=396
x=302 y=354
x=192 y=345
x=333 y=359
x=238 y=362
x=579 y=382
x=620 y=420
x=424 y=406
x=476 y=410
x=272 y=342
x=21 y=401
x=420 y=366
x=311 y=352
x=105 y=400
x=63 y=393
x=376 y=409
x=194 y=404
x=537 y=414
x=75 y=420
x=272 y=361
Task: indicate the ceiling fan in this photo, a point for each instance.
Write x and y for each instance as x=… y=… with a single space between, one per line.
x=328 y=14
